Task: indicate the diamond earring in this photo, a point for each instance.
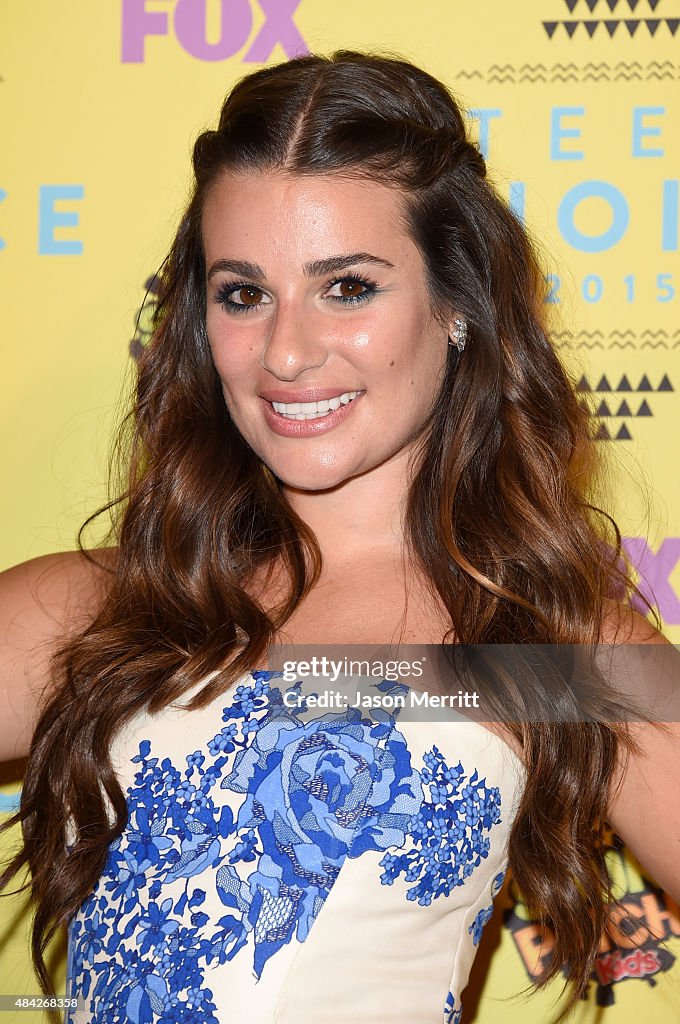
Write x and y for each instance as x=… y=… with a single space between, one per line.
x=459 y=334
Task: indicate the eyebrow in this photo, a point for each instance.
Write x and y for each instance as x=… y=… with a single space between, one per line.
x=317 y=268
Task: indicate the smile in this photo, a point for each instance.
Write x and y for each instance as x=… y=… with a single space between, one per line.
x=310 y=419
x=313 y=410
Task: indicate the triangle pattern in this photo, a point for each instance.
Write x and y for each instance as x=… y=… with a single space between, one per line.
x=665 y=384
x=644 y=384
x=623 y=409
x=624 y=384
x=603 y=385
x=623 y=433
x=611 y=25
x=653 y=4
x=602 y=409
x=602 y=433
x=612 y=5
x=644 y=409
x=592 y=4
x=583 y=384
x=633 y=4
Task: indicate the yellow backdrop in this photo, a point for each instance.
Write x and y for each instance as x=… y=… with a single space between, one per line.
x=574 y=102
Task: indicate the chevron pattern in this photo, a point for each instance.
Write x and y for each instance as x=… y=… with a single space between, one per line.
x=616 y=339
x=591 y=72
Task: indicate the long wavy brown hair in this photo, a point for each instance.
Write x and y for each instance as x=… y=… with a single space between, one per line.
x=500 y=510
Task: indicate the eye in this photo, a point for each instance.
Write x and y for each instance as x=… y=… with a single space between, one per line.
x=240 y=297
x=247 y=296
x=352 y=289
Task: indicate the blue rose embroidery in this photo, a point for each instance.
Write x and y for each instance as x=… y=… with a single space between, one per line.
x=314 y=793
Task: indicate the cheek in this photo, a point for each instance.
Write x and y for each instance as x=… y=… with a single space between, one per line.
x=414 y=365
x=408 y=346
x=381 y=340
x=233 y=352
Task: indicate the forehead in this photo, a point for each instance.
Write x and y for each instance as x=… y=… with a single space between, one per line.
x=308 y=215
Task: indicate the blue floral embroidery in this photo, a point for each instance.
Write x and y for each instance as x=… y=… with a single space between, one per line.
x=313 y=793
x=477 y=926
x=312 y=796
x=497 y=884
x=485 y=915
x=451 y=1015
x=447 y=833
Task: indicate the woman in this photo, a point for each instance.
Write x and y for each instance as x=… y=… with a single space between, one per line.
x=342 y=246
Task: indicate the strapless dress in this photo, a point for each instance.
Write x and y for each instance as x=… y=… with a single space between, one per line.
x=288 y=868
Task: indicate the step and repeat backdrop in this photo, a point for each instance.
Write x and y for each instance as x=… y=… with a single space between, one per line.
x=575 y=104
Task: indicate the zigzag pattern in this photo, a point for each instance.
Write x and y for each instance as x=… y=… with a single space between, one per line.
x=590 y=72
x=616 y=339
x=632 y=25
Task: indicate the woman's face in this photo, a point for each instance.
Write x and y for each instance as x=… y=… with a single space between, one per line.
x=316 y=291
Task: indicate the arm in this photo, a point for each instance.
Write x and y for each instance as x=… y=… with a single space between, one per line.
x=42 y=601
x=644 y=802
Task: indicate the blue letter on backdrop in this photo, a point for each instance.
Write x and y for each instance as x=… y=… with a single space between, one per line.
x=642 y=130
x=669 y=223
x=484 y=115
x=49 y=219
x=517 y=199
x=593 y=243
x=557 y=132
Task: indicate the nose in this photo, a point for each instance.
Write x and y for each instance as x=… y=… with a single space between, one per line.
x=293 y=345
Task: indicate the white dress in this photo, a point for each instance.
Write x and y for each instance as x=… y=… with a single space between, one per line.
x=279 y=868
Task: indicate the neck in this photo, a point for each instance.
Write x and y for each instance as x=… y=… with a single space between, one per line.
x=361 y=519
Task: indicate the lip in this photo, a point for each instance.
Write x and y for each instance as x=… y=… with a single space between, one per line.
x=310 y=395
x=307 y=428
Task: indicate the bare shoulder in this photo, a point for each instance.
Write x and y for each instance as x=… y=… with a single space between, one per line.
x=643 y=804
x=622 y=624
x=62 y=588
x=42 y=601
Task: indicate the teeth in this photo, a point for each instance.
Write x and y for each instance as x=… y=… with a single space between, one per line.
x=313 y=410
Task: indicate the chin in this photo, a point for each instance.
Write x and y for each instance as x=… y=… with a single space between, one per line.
x=315 y=479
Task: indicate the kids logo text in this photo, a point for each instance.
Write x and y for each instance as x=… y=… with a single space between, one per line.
x=188 y=21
